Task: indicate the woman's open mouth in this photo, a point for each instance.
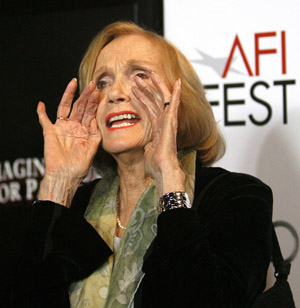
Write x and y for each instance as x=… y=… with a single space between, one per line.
x=123 y=119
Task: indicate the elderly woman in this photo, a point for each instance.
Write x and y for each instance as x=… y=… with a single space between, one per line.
x=161 y=228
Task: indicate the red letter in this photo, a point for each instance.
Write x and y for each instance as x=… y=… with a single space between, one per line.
x=261 y=52
x=283 y=52
x=237 y=43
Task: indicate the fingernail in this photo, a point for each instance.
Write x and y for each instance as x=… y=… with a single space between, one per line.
x=75 y=79
x=179 y=81
x=154 y=75
x=91 y=82
x=139 y=79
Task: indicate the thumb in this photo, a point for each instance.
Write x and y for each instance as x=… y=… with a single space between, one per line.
x=43 y=118
x=148 y=146
x=95 y=131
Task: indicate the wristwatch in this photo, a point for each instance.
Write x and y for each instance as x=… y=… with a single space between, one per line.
x=173 y=200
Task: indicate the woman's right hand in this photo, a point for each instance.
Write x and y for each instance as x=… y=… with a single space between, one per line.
x=70 y=144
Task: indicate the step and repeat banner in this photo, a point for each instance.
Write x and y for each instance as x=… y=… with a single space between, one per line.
x=246 y=53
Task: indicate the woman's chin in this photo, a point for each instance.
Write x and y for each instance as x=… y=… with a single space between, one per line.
x=118 y=148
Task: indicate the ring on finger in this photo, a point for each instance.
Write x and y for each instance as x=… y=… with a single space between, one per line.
x=166 y=104
x=63 y=118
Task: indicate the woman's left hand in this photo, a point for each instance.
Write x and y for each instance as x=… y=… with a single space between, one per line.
x=161 y=162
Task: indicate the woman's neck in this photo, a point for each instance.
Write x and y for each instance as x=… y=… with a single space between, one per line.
x=133 y=182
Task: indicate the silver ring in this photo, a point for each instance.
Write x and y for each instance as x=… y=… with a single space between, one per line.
x=166 y=104
x=63 y=118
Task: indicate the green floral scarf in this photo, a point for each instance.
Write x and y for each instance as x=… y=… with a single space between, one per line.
x=114 y=284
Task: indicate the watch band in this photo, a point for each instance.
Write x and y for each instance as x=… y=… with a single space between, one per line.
x=173 y=200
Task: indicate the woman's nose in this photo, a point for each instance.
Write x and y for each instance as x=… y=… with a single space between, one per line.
x=119 y=92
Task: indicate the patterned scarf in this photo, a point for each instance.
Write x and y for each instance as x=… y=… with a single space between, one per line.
x=114 y=284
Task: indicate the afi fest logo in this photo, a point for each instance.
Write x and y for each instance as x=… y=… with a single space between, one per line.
x=225 y=66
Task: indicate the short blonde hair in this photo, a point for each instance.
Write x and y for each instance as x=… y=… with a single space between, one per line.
x=197 y=127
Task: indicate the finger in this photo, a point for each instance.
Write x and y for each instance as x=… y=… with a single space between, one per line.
x=149 y=92
x=80 y=104
x=91 y=108
x=150 y=108
x=43 y=118
x=175 y=98
x=162 y=89
x=64 y=106
x=170 y=114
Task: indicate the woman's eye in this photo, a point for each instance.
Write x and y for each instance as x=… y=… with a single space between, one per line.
x=142 y=75
x=101 y=84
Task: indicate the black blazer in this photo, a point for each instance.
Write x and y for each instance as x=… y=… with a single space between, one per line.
x=215 y=255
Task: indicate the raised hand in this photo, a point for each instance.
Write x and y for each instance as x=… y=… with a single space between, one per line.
x=70 y=144
x=161 y=161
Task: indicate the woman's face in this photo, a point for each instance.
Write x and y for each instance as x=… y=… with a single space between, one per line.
x=121 y=117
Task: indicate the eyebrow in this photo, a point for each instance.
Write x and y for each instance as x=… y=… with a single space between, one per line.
x=130 y=64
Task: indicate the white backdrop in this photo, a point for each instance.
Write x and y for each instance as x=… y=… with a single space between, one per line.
x=247 y=54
